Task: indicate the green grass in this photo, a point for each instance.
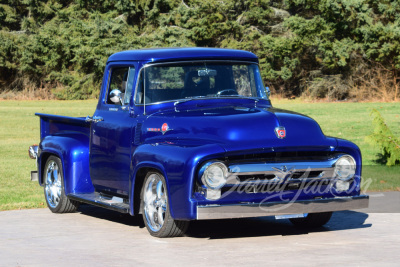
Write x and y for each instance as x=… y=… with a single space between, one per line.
x=381 y=178
x=19 y=129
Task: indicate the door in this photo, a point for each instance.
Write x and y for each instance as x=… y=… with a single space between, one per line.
x=111 y=136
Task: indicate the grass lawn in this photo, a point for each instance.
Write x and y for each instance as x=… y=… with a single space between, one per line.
x=19 y=129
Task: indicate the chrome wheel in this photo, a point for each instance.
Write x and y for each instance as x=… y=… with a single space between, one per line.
x=155 y=202
x=53 y=184
x=53 y=181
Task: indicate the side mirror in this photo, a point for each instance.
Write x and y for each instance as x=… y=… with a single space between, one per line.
x=268 y=91
x=116 y=96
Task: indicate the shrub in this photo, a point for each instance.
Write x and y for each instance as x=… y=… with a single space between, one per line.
x=384 y=138
x=64 y=45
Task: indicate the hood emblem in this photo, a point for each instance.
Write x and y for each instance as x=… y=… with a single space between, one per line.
x=280 y=132
x=164 y=128
x=283 y=174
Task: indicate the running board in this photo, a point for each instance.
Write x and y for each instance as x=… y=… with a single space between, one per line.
x=97 y=199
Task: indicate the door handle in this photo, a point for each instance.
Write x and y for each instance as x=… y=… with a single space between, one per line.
x=94 y=119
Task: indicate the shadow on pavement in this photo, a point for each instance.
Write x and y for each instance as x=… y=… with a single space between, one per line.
x=110 y=215
x=239 y=228
x=268 y=226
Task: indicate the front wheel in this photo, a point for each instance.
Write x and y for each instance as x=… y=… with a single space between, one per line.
x=312 y=220
x=54 y=192
x=155 y=208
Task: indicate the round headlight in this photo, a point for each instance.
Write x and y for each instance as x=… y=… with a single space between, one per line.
x=345 y=167
x=215 y=175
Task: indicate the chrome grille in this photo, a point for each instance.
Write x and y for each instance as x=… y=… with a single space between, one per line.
x=279 y=172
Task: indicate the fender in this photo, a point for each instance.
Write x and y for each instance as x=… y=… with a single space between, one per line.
x=178 y=171
x=72 y=148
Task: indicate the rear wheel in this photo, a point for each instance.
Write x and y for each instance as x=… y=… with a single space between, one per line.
x=312 y=220
x=54 y=192
x=155 y=208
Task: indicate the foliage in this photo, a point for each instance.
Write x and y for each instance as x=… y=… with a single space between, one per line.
x=384 y=138
x=306 y=47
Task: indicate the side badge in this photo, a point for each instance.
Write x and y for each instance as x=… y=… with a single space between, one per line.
x=280 y=132
x=164 y=128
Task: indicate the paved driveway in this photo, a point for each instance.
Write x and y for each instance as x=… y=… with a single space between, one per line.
x=94 y=236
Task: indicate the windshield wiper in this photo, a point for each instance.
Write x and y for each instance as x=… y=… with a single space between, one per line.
x=236 y=96
x=186 y=99
x=190 y=98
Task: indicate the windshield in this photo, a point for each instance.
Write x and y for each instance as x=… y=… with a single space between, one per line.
x=169 y=82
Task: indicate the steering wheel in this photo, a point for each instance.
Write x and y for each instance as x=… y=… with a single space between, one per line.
x=227 y=92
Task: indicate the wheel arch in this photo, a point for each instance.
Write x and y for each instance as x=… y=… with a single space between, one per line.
x=177 y=162
x=137 y=180
x=44 y=156
x=73 y=151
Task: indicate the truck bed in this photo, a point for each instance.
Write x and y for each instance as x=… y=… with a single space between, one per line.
x=55 y=124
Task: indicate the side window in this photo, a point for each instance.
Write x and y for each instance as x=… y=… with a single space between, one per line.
x=139 y=98
x=254 y=74
x=129 y=86
x=122 y=80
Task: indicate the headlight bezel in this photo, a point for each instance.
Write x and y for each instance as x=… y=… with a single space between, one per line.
x=205 y=171
x=341 y=174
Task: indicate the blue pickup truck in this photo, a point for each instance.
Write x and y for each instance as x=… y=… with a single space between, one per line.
x=190 y=134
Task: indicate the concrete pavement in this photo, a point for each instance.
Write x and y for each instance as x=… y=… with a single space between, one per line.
x=95 y=236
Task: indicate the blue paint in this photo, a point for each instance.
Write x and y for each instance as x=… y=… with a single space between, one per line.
x=106 y=156
x=183 y=54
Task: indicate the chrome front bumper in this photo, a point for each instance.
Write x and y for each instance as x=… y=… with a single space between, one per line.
x=281 y=208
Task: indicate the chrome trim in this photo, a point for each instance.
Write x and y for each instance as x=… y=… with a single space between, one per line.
x=205 y=167
x=97 y=199
x=94 y=119
x=155 y=202
x=33 y=151
x=34 y=176
x=262 y=167
x=278 y=130
x=52 y=183
x=284 y=170
x=268 y=91
x=212 y=194
x=115 y=97
x=257 y=99
x=211 y=212
x=354 y=164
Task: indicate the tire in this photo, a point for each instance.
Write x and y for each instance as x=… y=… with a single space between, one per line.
x=54 y=193
x=312 y=220
x=155 y=208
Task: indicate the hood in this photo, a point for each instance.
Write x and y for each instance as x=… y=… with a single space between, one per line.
x=237 y=128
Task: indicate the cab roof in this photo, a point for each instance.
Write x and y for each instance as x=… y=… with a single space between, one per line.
x=182 y=54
